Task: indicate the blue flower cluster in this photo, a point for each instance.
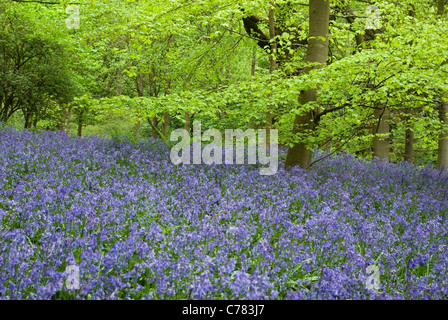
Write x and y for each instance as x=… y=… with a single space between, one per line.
x=139 y=227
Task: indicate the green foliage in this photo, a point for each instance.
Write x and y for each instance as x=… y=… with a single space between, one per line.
x=33 y=70
x=141 y=59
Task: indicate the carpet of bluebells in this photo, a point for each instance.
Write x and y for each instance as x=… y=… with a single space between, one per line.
x=139 y=227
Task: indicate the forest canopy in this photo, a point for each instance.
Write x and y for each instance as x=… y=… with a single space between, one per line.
x=362 y=77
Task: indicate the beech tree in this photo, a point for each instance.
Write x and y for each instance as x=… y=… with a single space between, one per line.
x=316 y=57
x=442 y=158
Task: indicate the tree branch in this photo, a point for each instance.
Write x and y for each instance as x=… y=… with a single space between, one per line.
x=43 y=2
x=252 y=29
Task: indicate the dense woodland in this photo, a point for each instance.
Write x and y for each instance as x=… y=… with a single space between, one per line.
x=91 y=207
x=362 y=77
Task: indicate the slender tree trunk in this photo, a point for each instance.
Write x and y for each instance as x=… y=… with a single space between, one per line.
x=3 y=110
x=359 y=38
x=27 y=116
x=35 y=121
x=409 y=138
x=165 y=124
x=317 y=52
x=80 y=120
x=381 y=145
x=119 y=81
x=273 y=63
x=441 y=7
x=409 y=146
x=442 y=159
x=154 y=123
x=166 y=115
x=137 y=126
x=8 y=109
x=63 y=122
x=187 y=121
x=254 y=61
x=139 y=86
x=69 y=120
x=272 y=67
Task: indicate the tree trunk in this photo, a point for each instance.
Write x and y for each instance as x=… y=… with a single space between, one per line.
x=166 y=115
x=27 y=116
x=137 y=129
x=381 y=144
x=166 y=124
x=187 y=121
x=442 y=159
x=36 y=117
x=80 y=125
x=140 y=87
x=359 y=38
x=272 y=56
x=272 y=67
x=63 y=122
x=69 y=120
x=317 y=52
x=409 y=138
x=254 y=61
x=441 y=7
x=8 y=109
x=409 y=146
x=154 y=123
x=119 y=81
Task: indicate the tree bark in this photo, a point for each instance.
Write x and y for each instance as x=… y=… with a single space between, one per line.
x=35 y=121
x=27 y=116
x=317 y=52
x=154 y=123
x=442 y=158
x=409 y=146
x=119 y=81
x=381 y=145
x=253 y=30
x=139 y=86
x=187 y=121
x=69 y=120
x=359 y=38
x=273 y=53
x=166 y=115
x=137 y=129
x=254 y=61
x=63 y=123
x=409 y=138
x=80 y=125
x=441 y=7
x=165 y=124
x=272 y=67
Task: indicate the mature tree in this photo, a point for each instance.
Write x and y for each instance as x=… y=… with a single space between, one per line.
x=33 y=68
x=316 y=57
x=442 y=158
